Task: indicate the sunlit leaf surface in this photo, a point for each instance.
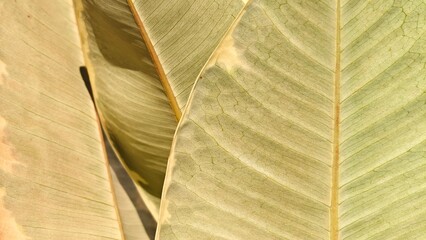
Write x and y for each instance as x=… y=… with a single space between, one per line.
x=54 y=182
x=308 y=123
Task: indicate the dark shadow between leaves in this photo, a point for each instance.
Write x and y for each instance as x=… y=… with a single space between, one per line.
x=124 y=179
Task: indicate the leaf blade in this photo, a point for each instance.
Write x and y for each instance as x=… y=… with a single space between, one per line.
x=184 y=48
x=388 y=120
x=381 y=138
x=230 y=139
x=133 y=108
x=49 y=131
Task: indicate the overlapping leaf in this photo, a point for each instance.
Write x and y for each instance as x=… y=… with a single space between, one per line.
x=133 y=107
x=308 y=122
x=184 y=34
x=130 y=88
x=54 y=182
x=253 y=155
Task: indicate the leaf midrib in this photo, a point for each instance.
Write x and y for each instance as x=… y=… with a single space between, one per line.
x=334 y=200
x=157 y=64
x=334 y=205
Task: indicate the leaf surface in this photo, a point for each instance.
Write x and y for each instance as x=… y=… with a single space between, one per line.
x=183 y=35
x=307 y=123
x=54 y=181
x=137 y=107
x=133 y=107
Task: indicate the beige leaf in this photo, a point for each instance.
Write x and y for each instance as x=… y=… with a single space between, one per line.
x=54 y=181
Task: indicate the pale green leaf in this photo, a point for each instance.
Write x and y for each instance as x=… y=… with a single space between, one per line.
x=54 y=182
x=309 y=122
x=184 y=35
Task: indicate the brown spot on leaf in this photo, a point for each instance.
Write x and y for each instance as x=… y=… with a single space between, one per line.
x=9 y=229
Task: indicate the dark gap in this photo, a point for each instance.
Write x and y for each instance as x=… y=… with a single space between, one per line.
x=86 y=79
x=145 y=216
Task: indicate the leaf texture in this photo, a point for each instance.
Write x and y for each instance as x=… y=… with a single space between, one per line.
x=253 y=154
x=184 y=34
x=131 y=95
x=383 y=121
x=54 y=182
x=133 y=107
